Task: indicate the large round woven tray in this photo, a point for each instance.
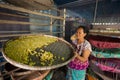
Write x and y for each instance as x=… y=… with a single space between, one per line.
x=60 y=47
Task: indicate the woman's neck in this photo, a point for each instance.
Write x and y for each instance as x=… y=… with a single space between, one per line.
x=80 y=41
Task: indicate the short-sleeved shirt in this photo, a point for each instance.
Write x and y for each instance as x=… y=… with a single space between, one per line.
x=76 y=63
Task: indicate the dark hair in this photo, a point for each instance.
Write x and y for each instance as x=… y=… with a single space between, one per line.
x=84 y=29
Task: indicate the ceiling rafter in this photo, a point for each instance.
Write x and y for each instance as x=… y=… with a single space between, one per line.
x=77 y=3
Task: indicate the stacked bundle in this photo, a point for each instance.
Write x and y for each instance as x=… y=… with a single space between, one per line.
x=105 y=55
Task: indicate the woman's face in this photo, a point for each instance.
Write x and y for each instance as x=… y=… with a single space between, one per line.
x=80 y=33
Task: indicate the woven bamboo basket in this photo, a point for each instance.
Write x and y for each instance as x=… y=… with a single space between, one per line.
x=60 y=47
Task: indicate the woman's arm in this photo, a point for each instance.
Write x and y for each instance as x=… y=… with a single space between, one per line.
x=85 y=55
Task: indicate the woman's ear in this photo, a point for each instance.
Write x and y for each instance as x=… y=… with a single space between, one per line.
x=85 y=34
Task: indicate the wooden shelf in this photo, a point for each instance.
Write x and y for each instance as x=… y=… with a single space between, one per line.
x=115 y=35
x=11 y=7
x=103 y=76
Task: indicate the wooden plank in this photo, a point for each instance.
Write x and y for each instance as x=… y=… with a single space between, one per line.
x=45 y=2
x=28 y=31
x=14 y=31
x=31 y=4
x=111 y=25
x=20 y=22
x=15 y=15
x=105 y=31
x=117 y=35
x=13 y=35
x=11 y=7
x=23 y=73
x=58 y=32
x=10 y=72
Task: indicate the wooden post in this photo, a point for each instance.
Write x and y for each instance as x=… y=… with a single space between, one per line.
x=51 y=27
x=94 y=20
x=64 y=15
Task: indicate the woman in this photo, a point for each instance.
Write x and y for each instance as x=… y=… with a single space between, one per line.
x=77 y=67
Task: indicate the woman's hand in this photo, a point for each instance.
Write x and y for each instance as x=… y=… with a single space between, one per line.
x=76 y=54
x=84 y=57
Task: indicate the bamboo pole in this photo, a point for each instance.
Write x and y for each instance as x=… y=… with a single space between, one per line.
x=28 y=11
